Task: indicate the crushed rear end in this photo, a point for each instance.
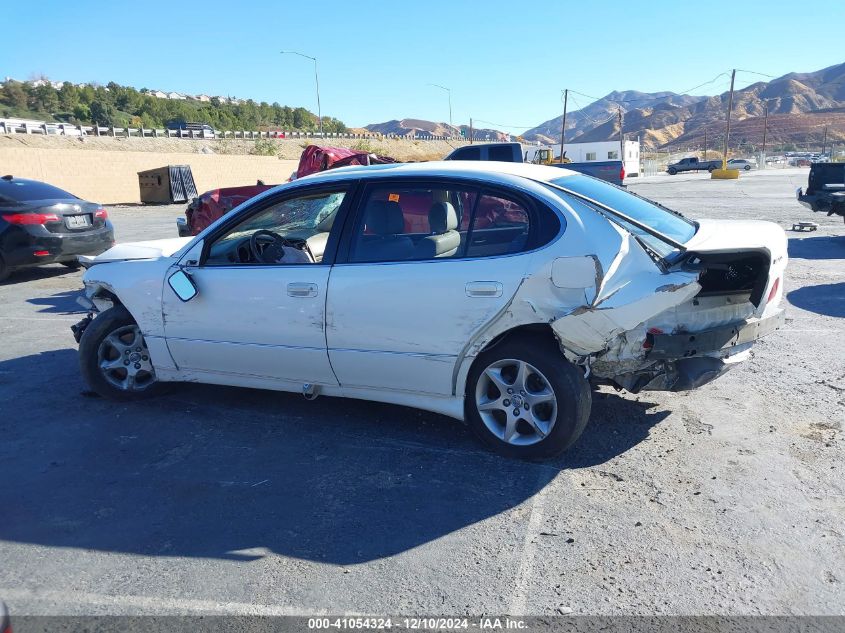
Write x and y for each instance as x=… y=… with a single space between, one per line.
x=677 y=328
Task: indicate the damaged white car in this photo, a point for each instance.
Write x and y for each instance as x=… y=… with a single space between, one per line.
x=490 y=292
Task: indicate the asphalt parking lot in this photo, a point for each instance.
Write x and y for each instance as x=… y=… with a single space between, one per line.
x=729 y=499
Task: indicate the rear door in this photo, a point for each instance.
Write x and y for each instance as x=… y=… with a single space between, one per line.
x=399 y=315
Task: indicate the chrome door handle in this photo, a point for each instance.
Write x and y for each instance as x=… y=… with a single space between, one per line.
x=300 y=289
x=484 y=289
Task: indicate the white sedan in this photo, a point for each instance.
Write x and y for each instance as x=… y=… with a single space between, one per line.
x=494 y=293
x=743 y=164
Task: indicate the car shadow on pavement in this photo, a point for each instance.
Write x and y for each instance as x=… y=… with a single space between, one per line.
x=23 y=275
x=827 y=299
x=817 y=247
x=616 y=425
x=60 y=302
x=234 y=474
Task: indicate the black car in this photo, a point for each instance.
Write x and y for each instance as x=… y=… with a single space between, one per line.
x=825 y=190
x=42 y=224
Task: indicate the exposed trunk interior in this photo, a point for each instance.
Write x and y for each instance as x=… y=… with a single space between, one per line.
x=731 y=273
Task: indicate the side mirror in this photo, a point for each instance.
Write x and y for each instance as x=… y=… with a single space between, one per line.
x=182 y=285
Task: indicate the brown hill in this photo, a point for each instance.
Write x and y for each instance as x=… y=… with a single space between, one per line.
x=421 y=127
x=800 y=106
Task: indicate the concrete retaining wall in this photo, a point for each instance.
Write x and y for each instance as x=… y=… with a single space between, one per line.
x=112 y=177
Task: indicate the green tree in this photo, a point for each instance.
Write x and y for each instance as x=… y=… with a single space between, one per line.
x=43 y=99
x=82 y=113
x=13 y=94
x=102 y=113
x=68 y=97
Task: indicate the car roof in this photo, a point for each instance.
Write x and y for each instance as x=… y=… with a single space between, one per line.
x=490 y=171
x=27 y=190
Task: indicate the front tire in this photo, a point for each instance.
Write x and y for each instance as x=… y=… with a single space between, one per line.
x=672 y=171
x=525 y=400
x=114 y=358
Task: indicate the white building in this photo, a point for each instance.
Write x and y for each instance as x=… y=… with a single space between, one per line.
x=599 y=151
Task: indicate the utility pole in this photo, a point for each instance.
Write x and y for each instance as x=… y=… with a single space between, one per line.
x=621 y=136
x=470 y=130
x=728 y=127
x=449 y=93
x=705 y=142
x=563 y=122
x=316 y=81
x=824 y=140
x=765 y=126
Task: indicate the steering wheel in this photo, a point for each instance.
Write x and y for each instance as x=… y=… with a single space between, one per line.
x=267 y=247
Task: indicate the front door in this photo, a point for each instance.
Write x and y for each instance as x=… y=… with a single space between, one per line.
x=260 y=306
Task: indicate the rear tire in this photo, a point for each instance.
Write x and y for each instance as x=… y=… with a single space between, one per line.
x=114 y=358
x=72 y=264
x=526 y=371
x=4 y=270
x=748 y=168
x=711 y=169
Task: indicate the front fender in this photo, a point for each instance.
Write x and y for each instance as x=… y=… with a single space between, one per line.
x=136 y=284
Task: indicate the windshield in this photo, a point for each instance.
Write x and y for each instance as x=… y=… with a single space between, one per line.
x=662 y=220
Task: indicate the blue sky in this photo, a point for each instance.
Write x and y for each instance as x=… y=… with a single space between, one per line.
x=505 y=61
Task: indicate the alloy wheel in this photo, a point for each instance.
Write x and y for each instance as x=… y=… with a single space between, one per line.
x=516 y=402
x=124 y=360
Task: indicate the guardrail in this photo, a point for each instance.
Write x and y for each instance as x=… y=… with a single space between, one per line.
x=65 y=129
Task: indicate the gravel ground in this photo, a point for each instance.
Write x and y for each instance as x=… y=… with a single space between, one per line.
x=726 y=500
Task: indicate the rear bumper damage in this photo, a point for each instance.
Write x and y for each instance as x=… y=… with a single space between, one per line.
x=832 y=203
x=684 y=361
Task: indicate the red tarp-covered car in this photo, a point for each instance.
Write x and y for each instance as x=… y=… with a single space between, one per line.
x=211 y=205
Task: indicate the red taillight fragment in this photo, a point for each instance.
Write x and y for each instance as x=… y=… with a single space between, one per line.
x=101 y=213
x=648 y=343
x=774 y=290
x=41 y=253
x=622 y=173
x=30 y=218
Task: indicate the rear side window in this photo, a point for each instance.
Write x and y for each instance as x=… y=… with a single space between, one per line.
x=404 y=223
x=27 y=190
x=407 y=222
x=499 y=227
x=467 y=153
x=502 y=153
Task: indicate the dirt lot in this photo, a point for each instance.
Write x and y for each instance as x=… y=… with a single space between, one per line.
x=726 y=500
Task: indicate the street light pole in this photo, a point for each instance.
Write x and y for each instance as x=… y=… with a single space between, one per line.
x=449 y=93
x=316 y=81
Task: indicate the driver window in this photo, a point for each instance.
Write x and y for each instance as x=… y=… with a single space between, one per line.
x=294 y=231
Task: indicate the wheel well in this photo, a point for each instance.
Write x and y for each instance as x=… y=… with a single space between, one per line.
x=541 y=333
x=532 y=330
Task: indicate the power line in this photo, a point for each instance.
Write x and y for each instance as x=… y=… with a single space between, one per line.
x=754 y=72
x=515 y=127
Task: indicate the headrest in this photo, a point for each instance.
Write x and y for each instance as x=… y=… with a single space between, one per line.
x=442 y=217
x=384 y=217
